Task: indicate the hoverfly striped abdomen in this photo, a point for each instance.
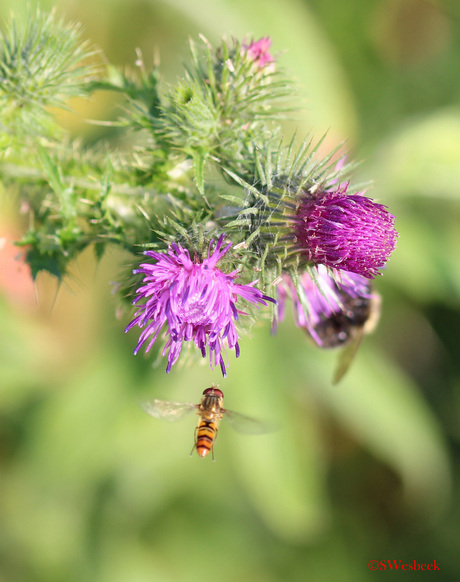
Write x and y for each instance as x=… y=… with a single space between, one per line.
x=205 y=436
x=210 y=412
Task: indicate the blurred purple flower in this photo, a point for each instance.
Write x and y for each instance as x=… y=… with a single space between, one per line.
x=342 y=231
x=194 y=299
x=339 y=294
x=259 y=51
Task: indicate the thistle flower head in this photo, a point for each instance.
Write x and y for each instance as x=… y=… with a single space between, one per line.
x=302 y=213
x=332 y=303
x=259 y=52
x=194 y=300
x=342 y=231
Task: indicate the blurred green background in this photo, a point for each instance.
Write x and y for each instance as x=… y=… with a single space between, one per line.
x=92 y=489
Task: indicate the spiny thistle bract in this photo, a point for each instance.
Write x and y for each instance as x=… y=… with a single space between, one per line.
x=213 y=168
x=42 y=65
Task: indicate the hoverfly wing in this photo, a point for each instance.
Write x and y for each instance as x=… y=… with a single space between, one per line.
x=246 y=424
x=168 y=410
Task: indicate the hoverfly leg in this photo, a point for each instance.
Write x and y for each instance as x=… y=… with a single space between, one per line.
x=212 y=448
x=195 y=442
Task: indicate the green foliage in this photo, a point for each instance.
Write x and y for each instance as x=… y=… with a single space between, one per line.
x=223 y=108
x=215 y=129
x=43 y=63
x=218 y=115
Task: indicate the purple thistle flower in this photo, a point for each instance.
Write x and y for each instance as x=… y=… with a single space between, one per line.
x=259 y=51
x=194 y=299
x=341 y=231
x=336 y=302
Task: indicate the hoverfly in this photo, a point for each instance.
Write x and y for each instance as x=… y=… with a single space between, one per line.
x=346 y=328
x=210 y=411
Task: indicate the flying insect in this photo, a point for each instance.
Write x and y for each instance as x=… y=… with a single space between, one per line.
x=210 y=412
